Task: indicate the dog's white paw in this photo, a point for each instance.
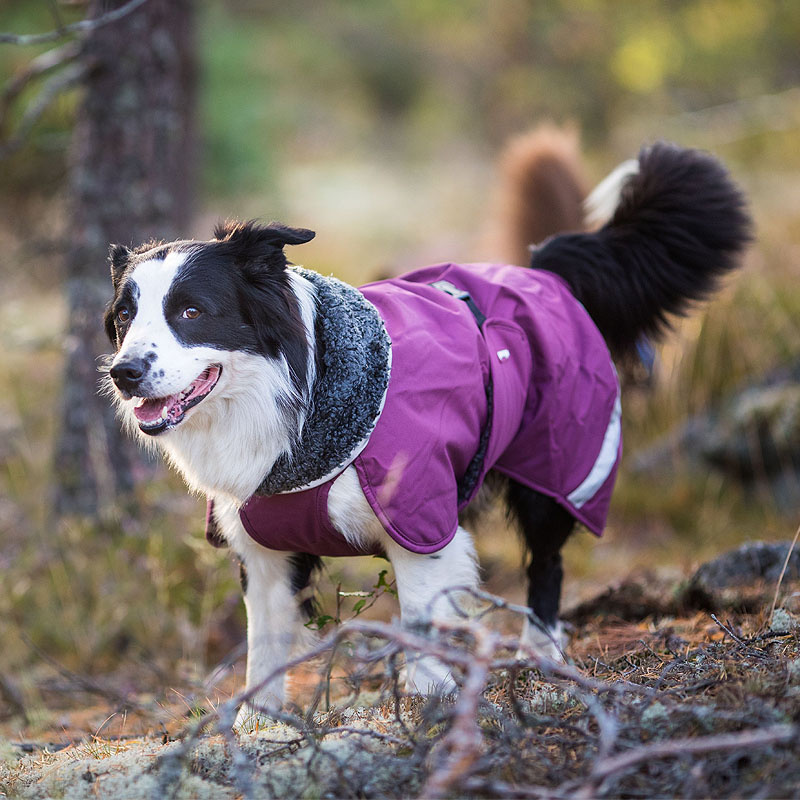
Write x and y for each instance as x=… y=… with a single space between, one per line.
x=253 y=720
x=427 y=676
x=547 y=642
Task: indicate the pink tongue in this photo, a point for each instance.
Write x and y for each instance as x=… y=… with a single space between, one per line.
x=203 y=383
x=150 y=410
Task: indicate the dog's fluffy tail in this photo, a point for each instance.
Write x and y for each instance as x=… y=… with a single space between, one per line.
x=540 y=192
x=676 y=224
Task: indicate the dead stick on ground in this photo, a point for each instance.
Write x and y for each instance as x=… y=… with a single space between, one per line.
x=462 y=744
x=734 y=636
x=703 y=744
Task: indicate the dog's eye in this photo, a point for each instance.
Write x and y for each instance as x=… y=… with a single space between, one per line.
x=191 y=313
x=123 y=315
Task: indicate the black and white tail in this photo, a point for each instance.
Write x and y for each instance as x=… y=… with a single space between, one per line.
x=676 y=224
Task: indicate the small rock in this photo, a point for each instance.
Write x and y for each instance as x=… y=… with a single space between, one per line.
x=655 y=716
x=782 y=621
x=751 y=561
x=758 y=434
x=548 y=701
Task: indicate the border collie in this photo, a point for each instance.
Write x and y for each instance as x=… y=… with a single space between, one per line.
x=320 y=419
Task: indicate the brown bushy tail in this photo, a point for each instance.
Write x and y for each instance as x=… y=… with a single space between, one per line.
x=540 y=194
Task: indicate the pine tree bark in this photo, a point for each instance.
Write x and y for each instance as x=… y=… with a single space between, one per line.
x=131 y=180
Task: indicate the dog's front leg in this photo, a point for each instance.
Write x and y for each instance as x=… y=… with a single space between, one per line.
x=273 y=621
x=425 y=587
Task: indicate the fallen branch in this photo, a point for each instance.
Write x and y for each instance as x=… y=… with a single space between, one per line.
x=81 y=27
x=38 y=67
x=56 y=85
x=463 y=743
x=745 y=740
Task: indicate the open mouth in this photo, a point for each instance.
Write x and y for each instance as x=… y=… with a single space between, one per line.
x=157 y=414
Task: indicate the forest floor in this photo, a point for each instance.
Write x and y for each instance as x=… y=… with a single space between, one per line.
x=688 y=689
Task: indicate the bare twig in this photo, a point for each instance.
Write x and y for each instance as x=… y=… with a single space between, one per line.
x=783 y=572
x=81 y=27
x=736 y=638
x=494 y=603
x=744 y=740
x=243 y=767
x=463 y=742
x=39 y=66
x=728 y=631
x=56 y=85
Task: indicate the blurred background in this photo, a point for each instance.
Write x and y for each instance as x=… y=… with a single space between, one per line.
x=379 y=126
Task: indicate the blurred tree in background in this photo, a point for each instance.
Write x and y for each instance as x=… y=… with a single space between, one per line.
x=131 y=178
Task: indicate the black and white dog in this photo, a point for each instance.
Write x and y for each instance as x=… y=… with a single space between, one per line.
x=237 y=367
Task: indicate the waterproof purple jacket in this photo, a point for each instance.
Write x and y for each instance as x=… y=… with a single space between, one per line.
x=554 y=422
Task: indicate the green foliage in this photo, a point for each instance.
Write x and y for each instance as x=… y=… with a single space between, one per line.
x=363 y=601
x=308 y=80
x=237 y=119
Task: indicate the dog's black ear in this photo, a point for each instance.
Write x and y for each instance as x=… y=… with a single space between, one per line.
x=119 y=257
x=251 y=238
x=268 y=303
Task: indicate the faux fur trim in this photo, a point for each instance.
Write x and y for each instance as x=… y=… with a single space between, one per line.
x=353 y=365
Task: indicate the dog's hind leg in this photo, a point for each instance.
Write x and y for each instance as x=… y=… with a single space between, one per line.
x=544 y=526
x=426 y=587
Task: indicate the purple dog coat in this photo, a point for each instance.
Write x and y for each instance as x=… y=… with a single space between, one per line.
x=554 y=425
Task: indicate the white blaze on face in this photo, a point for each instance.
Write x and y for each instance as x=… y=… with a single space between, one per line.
x=153 y=280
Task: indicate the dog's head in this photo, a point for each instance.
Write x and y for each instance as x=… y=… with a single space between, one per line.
x=184 y=312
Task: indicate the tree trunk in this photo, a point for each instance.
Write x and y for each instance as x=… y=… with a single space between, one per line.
x=131 y=180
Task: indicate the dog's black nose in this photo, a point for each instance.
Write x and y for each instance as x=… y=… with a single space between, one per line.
x=128 y=374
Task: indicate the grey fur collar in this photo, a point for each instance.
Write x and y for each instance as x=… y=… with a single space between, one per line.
x=353 y=364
